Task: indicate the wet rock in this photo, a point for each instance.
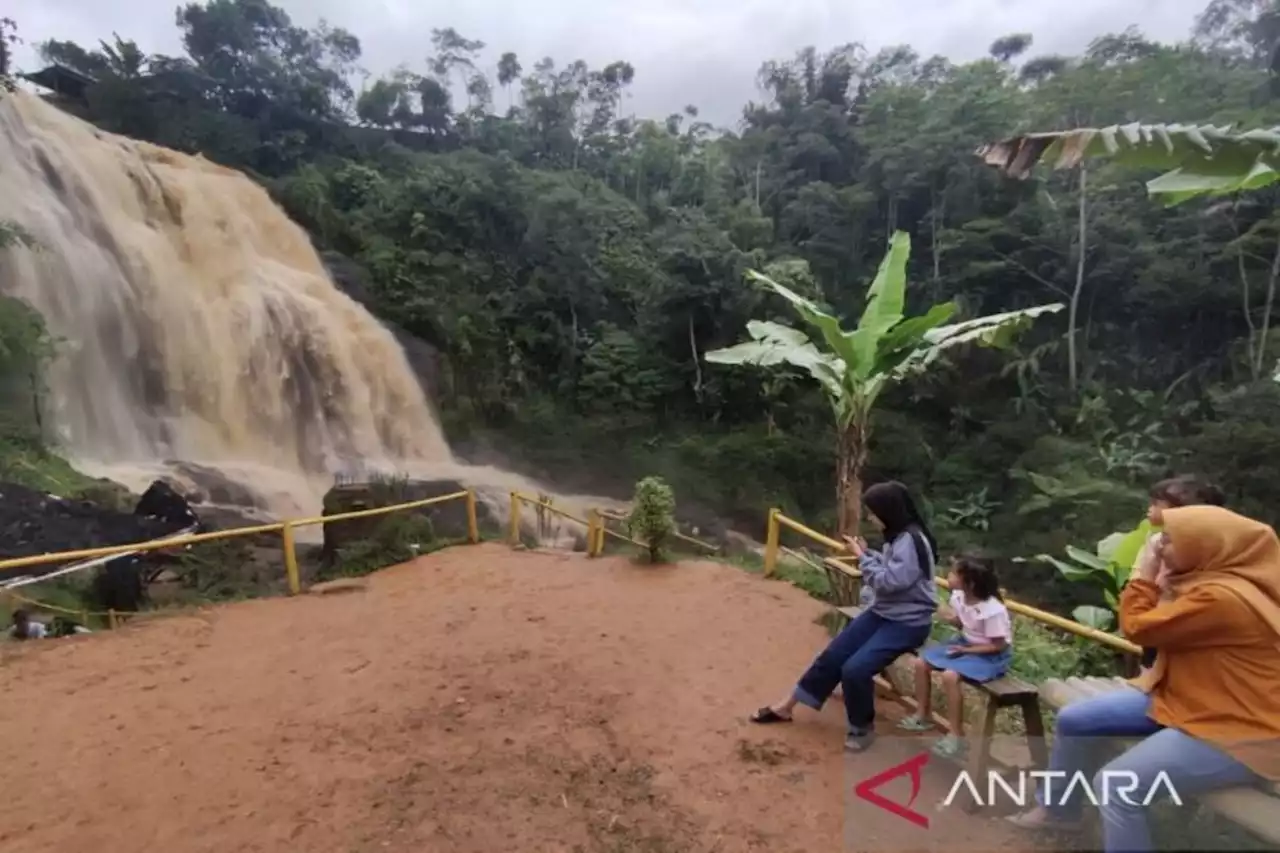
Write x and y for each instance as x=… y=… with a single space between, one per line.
x=448 y=519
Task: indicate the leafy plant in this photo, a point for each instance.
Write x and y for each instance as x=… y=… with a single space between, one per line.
x=853 y=367
x=652 y=518
x=1202 y=159
x=1108 y=567
x=973 y=511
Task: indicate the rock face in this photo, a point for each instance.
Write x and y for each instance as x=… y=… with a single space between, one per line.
x=448 y=519
x=32 y=522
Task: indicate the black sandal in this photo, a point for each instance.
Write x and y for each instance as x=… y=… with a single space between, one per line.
x=767 y=715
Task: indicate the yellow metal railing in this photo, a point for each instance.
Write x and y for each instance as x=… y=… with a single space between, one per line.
x=284 y=528
x=597 y=530
x=773 y=535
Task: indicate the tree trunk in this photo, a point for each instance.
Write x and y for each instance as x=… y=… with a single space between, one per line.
x=1272 y=277
x=1251 y=341
x=697 y=363
x=1073 y=364
x=851 y=459
x=937 y=212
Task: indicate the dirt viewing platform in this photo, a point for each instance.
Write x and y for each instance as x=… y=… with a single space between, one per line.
x=475 y=700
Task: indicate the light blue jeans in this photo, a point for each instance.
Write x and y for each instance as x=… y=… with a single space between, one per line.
x=1191 y=766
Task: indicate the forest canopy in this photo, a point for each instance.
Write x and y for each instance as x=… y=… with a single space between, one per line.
x=572 y=264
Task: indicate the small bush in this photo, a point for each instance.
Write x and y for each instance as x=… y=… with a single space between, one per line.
x=652 y=519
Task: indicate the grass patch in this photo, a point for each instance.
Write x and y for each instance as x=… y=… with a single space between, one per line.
x=400 y=538
x=28 y=464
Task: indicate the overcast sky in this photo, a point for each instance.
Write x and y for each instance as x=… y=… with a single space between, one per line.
x=704 y=52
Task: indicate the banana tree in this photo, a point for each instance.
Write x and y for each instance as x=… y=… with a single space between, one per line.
x=1202 y=159
x=853 y=367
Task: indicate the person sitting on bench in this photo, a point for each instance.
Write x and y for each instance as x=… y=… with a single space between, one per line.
x=982 y=652
x=897 y=622
x=1185 y=490
x=1209 y=710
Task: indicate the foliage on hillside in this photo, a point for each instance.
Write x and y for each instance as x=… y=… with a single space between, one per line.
x=573 y=263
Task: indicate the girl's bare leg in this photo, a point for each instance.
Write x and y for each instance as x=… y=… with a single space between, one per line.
x=955 y=702
x=924 y=689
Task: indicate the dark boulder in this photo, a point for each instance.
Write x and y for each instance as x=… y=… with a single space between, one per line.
x=161 y=501
x=448 y=519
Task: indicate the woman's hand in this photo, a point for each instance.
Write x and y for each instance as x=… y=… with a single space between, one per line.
x=1164 y=580
x=855 y=544
x=955 y=651
x=1151 y=564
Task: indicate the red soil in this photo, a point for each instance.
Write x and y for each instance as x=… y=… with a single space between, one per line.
x=476 y=700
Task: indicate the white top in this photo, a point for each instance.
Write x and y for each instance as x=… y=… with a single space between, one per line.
x=983 y=621
x=35 y=631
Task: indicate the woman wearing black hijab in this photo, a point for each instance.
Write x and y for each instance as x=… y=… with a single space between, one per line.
x=897 y=621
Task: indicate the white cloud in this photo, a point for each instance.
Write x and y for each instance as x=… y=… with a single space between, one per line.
x=704 y=52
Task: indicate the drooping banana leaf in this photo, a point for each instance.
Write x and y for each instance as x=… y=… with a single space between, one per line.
x=773 y=343
x=1201 y=159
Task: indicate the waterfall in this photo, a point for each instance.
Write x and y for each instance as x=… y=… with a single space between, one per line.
x=195 y=322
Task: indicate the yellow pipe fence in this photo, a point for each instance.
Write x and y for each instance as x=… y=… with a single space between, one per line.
x=595 y=525
x=772 y=547
x=597 y=529
x=284 y=528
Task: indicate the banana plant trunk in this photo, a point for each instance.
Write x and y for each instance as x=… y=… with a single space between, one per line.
x=851 y=460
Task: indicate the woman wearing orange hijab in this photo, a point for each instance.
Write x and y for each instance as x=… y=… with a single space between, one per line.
x=1209 y=709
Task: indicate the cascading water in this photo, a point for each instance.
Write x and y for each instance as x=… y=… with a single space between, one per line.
x=197 y=323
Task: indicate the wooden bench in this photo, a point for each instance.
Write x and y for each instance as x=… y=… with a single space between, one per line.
x=1007 y=692
x=1256 y=810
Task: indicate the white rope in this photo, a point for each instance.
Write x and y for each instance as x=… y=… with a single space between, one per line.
x=27 y=580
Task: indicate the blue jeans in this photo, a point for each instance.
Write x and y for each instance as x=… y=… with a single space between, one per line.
x=857 y=655
x=1191 y=765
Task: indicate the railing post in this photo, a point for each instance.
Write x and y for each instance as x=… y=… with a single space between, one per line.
x=111 y=619
x=771 y=545
x=513 y=529
x=290 y=558
x=473 y=525
x=593 y=530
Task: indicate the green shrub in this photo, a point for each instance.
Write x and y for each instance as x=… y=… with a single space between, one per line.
x=399 y=539
x=652 y=519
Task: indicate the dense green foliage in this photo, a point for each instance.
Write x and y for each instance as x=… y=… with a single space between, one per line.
x=573 y=264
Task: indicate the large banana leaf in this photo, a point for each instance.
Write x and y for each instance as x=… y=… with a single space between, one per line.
x=1203 y=159
x=993 y=330
x=836 y=338
x=886 y=299
x=773 y=343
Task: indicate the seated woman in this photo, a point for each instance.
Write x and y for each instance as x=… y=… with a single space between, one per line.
x=1210 y=707
x=897 y=621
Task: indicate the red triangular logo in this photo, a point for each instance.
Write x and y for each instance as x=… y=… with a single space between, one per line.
x=914 y=767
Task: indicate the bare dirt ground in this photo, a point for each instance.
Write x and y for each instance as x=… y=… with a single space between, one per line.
x=476 y=700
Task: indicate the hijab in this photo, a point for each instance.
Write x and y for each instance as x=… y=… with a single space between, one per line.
x=1226 y=550
x=892 y=504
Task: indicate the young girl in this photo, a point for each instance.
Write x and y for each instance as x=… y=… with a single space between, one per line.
x=982 y=652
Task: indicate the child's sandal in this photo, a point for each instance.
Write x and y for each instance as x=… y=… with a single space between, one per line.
x=915 y=723
x=949 y=747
